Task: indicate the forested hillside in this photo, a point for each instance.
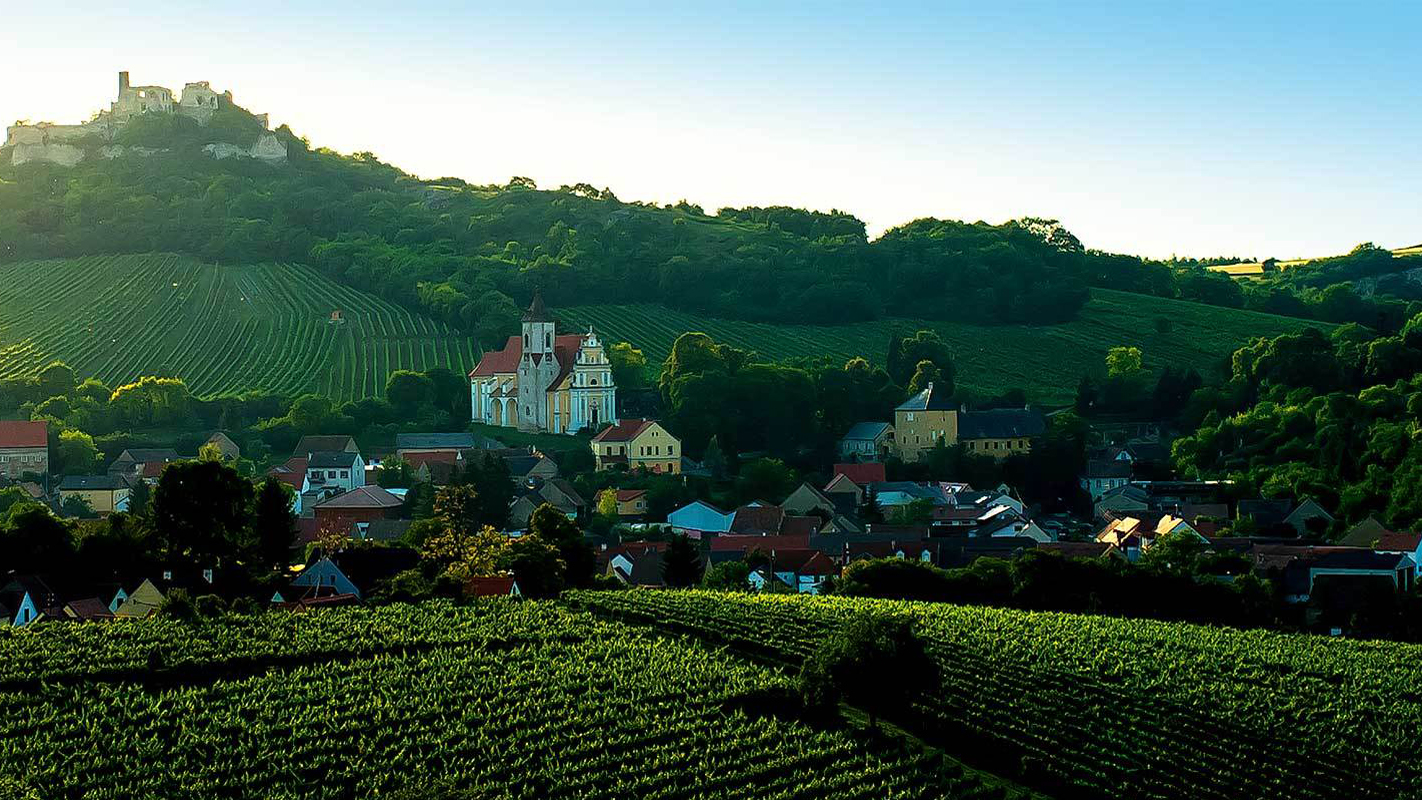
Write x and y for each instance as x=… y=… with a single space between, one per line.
x=471 y=255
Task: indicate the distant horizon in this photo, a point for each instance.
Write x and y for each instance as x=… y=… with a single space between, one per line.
x=1197 y=133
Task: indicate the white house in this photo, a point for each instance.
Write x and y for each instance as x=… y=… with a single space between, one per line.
x=867 y=441
x=1409 y=544
x=333 y=472
x=698 y=517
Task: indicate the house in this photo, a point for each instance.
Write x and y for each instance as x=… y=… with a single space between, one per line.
x=331 y=472
x=1128 y=499
x=1004 y=521
x=1298 y=568
x=861 y=474
x=381 y=530
x=638 y=564
x=631 y=503
x=1134 y=535
x=492 y=586
x=699 y=517
x=225 y=446
x=437 y=468
x=1365 y=534
x=142 y=601
x=24 y=599
x=1309 y=517
x=931 y=416
x=145 y=463
x=1081 y=549
x=544 y=381
x=757 y=520
x=867 y=441
x=1409 y=543
x=639 y=444
x=806 y=499
x=105 y=494
x=321 y=578
x=557 y=492
x=325 y=444
x=803 y=570
x=360 y=506
x=1264 y=513
x=526 y=467
x=24 y=448
x=87 y=609
x=411 y=444
x=1101 y=476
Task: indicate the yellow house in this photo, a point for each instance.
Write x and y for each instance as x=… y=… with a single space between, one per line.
x=640 y=444
x=929 y=416
x=105 y=494
x=145 y=600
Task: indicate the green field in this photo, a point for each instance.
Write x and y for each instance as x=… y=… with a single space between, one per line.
x=1047 y=361
x=223 y=329
x=501 y=699
x=1113 y=707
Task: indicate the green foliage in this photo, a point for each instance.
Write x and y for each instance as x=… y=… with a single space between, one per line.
x=200 y=512
x=681 y=563
x=274 y=523
x=629 y=366
x=875 y=662
x=1123 y=361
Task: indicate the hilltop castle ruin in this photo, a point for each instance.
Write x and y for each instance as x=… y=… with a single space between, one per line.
x=68 y=145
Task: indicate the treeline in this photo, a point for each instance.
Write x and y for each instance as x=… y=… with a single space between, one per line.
x=1332 y=417
x=472 y=255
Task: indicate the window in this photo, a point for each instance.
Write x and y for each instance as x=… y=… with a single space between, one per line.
x=547 y=341
x=345 y=474
x=525 y=341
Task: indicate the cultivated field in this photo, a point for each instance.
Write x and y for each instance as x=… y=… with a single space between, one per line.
x=223 y=329
x=1116 y=707
x=1047 y=361
x=503 y=699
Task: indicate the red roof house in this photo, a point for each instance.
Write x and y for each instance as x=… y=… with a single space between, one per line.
x=24 y=447
x=862 y=474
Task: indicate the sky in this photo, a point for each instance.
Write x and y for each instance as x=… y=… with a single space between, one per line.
x=1256 y=129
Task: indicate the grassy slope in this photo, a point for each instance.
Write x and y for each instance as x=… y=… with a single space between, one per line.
x=223 y=329
x=1047 y=361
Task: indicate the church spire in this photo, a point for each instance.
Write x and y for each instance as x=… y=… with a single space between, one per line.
x=536 y=312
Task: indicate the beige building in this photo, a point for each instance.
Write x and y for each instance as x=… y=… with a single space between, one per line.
x=640 y=444
x=105 y=494
x=24 y=448
x=931 y=416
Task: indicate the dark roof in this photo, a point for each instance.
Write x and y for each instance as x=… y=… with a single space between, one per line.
x=489 y=586
x=24 y=434
x=930 y=399
x=363 y=497
x=312 y=444
x=1265 y=512
x=94 y=482
x=800 y=526
x=329 y=459
x=88 y=608
x=1112 y=468
x=757 y=519
x=522 y=465
x=436 y=441
x=742 y=543
x=1001 y=423
x=861 y=474
x=1148 y=450
x=145 y=455
x=865 y=431
x=1404 y=541
x=386 y=530
x=536 y=312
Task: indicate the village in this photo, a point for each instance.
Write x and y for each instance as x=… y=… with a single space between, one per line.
x=353 y=511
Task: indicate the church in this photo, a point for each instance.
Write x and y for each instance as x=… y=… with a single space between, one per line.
x=544 y=382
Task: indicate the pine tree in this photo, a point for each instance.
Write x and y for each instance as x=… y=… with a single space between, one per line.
x=681 y=564
x=273 y=523
x=714 y=459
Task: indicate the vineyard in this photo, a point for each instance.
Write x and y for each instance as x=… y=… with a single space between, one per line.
x=223 y=329
x=498 y=700
x=1116 y=707
x=1047 y=361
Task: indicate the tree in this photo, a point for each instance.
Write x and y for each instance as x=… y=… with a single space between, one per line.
x=713 y=459
x=140 y=500
x=681 y=564
x=1123 y=361
x=32 y=540
x=553 y=526
x=728 y=576
x=200 y=511
x=629 y=366
x=925 y=375
x=460 y=554
x=607 y=503
x=273 y=523
x=536 y=566
x=876 y=663
x=76 y=453
x=77 y=507
x=456 y=508
x=449 y=392
x=767 y=479
x=407 y=390
x=56 y=380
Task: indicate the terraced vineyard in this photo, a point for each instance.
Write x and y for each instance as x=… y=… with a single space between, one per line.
x=223 y=329
x=499 y=700
x=1047 y=361
x=1116 y=707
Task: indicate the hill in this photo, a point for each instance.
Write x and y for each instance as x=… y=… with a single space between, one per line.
x=1112 y=707
x=1045 y=360
x=503 y=699
x=223 y=329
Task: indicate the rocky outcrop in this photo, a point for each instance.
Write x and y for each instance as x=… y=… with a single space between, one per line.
x=66 y=155
x=268 y=148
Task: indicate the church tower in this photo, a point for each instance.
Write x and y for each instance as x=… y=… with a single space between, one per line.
x=537 y=367
x=594 y=396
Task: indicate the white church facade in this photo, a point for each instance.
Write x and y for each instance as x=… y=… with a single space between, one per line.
x=543 y=381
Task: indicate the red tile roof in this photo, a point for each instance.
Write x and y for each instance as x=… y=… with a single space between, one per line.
x=416 y=460
x=819 y=564
x=292 y=473
x=758 y=520
x=801 y=526
x=24 y=434
x=624 y=431
x=499 y=362
x=1405 y=542
x=628 y=495
x=861 y=474
x=732 y=543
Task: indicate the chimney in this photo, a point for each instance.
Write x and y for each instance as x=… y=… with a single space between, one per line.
x=123 y=82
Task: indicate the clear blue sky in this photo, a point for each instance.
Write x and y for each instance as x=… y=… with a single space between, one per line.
x=1253 y=129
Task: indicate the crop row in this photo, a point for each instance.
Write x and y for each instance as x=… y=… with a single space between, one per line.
x=224 y=330
x=1125 y=708
x=509 y=700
